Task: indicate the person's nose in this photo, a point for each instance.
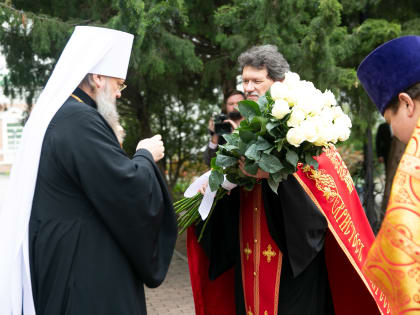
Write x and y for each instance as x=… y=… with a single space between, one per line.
x=249 y=87
x=118 y=95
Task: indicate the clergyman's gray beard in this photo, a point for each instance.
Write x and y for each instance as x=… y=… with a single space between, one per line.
x=108 y=109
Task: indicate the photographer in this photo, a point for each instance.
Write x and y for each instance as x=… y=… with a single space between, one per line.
x=223 y=123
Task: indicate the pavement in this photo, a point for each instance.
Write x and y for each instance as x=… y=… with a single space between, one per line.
x=173 y=296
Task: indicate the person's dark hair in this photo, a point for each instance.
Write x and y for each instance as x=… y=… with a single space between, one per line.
x=413 y=91
x=265 y=56
x=88 y=82
x=229 y=94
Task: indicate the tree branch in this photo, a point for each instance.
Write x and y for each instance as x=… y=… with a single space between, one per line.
x=37 y=17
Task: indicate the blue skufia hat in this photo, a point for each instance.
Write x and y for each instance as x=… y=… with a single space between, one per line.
x=390 y=69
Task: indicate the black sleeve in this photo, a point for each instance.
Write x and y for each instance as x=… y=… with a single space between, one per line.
x=295 y=223
x=130 y=195
x=208 y=154
x=221 y=236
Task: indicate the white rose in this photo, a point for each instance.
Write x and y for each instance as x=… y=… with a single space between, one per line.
x=325 y=133
x=295 y=136
x=296 y=118
x=343 y=133
x=280 y=109
x=326 y=115
x=279 y=91
x=337 y=111
x=291 y=80
x=308 y=128
x=343 y=120
x=329 y=98
x=316 y=102
x=306 y=86
x=304 y=102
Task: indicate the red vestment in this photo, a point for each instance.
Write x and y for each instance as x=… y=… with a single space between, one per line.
x=347 y=242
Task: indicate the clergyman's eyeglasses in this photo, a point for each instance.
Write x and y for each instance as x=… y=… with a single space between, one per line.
x=121 y=87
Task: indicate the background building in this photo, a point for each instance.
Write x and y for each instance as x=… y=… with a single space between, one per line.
x=11 y=126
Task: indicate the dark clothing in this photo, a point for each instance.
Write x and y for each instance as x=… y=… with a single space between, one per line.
x=101 y=224
x=297 y=227
x=383 y=142
x=210 y=153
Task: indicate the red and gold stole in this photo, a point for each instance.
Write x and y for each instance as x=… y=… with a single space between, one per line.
x=393 y=262
x=261 y=259
x=350 y=236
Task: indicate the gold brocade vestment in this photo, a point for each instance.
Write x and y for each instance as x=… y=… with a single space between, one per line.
x=393 y=263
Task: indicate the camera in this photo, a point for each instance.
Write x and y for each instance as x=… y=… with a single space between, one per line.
x=221 y=127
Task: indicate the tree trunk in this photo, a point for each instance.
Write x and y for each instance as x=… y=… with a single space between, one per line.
x=368 y=196
x=395 y=153
x=142 y=113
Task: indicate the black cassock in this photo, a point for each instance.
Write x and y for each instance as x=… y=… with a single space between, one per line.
x=297 y=227
x=102 y=225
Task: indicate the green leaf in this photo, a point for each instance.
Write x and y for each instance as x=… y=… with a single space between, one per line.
x=255 y=123
x=249 y=109
x=258 y=125
x=263 y=144
x=225 y=161
x=273 y=129
x=280 y=144
x=251 y=168
x=277 y=176
x=228 y=147
x=262 y=103
x=214 y=166
x=215 y=180
x=273 y=183
x=292 y=157
x=271 y=125
x=309 y=160
x=247 y=136
x=242 y=146
x=268 y=151
x=252 y=152
x=270 y=163
x=232 y=138
x=244 y=125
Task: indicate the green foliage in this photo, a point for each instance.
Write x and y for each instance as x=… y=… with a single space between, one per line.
x=184 y=56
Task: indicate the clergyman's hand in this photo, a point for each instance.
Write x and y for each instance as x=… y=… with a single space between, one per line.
x=260 y=173
x=154 y=145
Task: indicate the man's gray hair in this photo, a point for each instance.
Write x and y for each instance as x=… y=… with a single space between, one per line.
x=88 y=82
x=265 y=56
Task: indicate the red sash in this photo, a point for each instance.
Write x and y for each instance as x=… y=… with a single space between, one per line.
x=331 y=189
x=346 y=245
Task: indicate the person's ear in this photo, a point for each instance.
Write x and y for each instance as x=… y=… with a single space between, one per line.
x=99 y=80
x=407 y=102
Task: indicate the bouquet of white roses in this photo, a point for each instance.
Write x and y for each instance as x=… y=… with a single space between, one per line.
x=291 y=124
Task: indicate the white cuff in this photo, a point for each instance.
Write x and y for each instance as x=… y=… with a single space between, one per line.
x=228 y=185
x=213 y=145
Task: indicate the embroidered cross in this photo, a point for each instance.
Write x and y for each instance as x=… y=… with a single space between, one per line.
x=265 y=313
x=249 y=311
x=247 y=251
x=269 y=253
